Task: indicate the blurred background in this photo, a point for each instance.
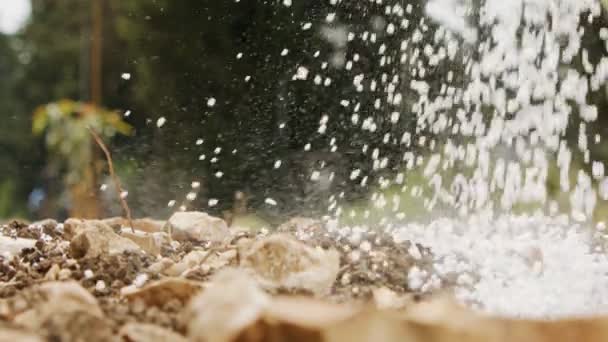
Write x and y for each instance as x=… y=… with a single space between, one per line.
x=182 y=92
x=196 y=91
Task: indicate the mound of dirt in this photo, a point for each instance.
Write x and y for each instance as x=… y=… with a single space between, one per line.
x=99 y=280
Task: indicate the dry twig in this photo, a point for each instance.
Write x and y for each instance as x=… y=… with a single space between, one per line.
x=115 y=178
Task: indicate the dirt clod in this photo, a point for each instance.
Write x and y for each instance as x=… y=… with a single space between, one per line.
x=280 y=261
x=99 y=239
x=197 y=226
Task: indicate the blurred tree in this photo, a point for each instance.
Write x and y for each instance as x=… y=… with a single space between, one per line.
x=18 y=166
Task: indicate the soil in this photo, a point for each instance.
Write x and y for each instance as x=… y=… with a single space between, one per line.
x=302 y=282
x=370 y=262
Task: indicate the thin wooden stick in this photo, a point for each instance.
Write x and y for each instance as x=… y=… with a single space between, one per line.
x=115 y=178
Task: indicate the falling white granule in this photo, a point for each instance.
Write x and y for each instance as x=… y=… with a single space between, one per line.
x=211 y=102
x=161 y=122
x=212 y=202
x=126 y=76
x=270 y=201
x=302 y=73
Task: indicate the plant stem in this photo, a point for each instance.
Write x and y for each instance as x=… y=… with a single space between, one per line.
x=115 y=178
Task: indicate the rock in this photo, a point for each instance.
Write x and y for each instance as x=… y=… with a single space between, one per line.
x=232 y=303
x=14 y=246
x=160 y=266
x=189 y=261
x=48 y=226
x=221 y=259
x=94 y=238
x=70 y=292
x=306 y=319
x=64 y=274
x=385 y=298
x=149 y=225
x=234 y=308
x=53 y=273
x=197 y=226
x=215 y=262
x=151 y=243
x=145 y=225
x=163 y=291
x=140 y=332
x=197 y=259
x=74 y=226
x=280 y=261
x=115 y=222
x=67 y=312
x=373 y=325
x=13 y=334
x=45 y=223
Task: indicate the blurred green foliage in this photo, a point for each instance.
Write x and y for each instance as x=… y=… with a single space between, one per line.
x=66 y=125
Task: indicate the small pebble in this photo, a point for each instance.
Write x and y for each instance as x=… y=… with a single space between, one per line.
x=88 y=274
x=100 y=286
x=64 y=274
x=140 y=280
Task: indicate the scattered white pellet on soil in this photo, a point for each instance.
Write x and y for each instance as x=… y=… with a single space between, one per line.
x=88 y=274
x=140 y=280
x=100 y=286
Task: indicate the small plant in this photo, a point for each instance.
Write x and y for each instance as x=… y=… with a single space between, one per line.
x=66 y=125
